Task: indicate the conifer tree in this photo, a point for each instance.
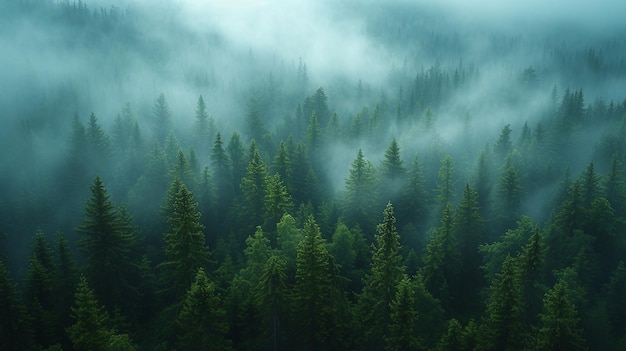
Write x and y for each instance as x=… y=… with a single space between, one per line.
x=311 y=295
x=380 y=284
x=441 y=261
x=510 y=195
x=238 y=160
x=414 y=206
x=445 y=185
x=203 y=125
x=502 y=328
x=616 y=309
x=282 y=166
x=277 y=202
x=288 y=237
x=162 y=119
x=15 y=329
x=404 y=319
x=66 y=280
x=202 y=320
x=469 y=230
x=185 y=247
x=361 y=193
x=107 y=246
x=253 y=191
x=530 y=269
x=40 y=290
x=91 y=330
x=560 y=330
x=223 y=175
x=271 y=296
x=393 y=174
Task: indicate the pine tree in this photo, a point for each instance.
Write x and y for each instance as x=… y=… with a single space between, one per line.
x=277 y=202
x=616 y=309
x=441 y=261
x=66 y=280
x=203 y=125
x=445 y=185
x=253 y=190
x=162 y=119
x=393 y=174
x=469 y=230
x=282 y=166
x=414 y=206
x=288 y=237
x=380 y=284
x=310 y=298
x=202 y=320
x=15 y=329
x=271 y=295
x=40 y=290
x=404 y=319
x=530 y=267
x=185 y=247
x=223 y=174
x=107 y=247
x=560 y=330
x=90 y=331
x=360 y=197
x=510 y=195
x=502 y=328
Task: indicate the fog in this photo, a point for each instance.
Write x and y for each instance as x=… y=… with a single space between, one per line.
x=64 y=59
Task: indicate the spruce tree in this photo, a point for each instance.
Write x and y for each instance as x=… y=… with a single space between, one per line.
x=90 y=330
x=361 y=193
x=107 y=246
x=15 y=329
x=312 y=308
x=559 y=330
x=380 y=284
x=185 y=248
x=202 y=320
x=271 y=296
x=253 y=190
x=404 y=319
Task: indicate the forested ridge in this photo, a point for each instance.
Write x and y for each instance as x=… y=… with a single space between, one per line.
x=165 y=188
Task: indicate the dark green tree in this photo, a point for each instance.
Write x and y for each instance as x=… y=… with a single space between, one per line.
x=446 y=185
x=502 y=328
x=253 y=191
x=238 y=160
x=509 y=195
x=381 y=283
x=107 y=246
x=202 y=320
x=393 y=174
x=40 y=291
x=616 y=309
x=271 y=296
x=442 y=262
x=90 y=330
x=361 y=193
x=312 y=308
x=470 y=233
x=223 y=179
x=560 y=329
x=185 y=248
x=404 y=319
x=15 y=329
x=277 y=202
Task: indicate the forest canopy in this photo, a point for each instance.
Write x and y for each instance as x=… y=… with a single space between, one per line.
x=332 y=175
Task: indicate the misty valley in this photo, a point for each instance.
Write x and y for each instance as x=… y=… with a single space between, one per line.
x=297 y=175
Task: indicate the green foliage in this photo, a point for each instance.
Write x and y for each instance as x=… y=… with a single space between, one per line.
x=446 y=185
x=271 y=295
x=404 y=318
x=277 y=203
x=380 y=284
x=560 y=330
x=361 y=193
x=107 y=244
x=90 y=330
x=202 y=320
x=185 y=247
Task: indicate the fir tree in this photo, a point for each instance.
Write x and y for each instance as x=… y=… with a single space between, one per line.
x=90 y=331
x=404 y=319
x=202 y=320
x=360 y=197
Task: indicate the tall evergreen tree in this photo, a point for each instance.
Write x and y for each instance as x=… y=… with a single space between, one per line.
x=91 y=330
x=469 y=230
x=502 y=328
x=162 y=119
x=185 y=247
x=380 y=284
x=202 y=320
x=15 y=329
x=560 y=330
x=223 y=174
x=253 y=191
x=393 y=174
x=404 y=319
x=509 y=195
x=271 y=295
x=445 y=185
x=40 y=289
x=441 y=262
x=312 y=308
x=203 y=126
x=361 y=193
x=277 y=202
x=107 y=248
